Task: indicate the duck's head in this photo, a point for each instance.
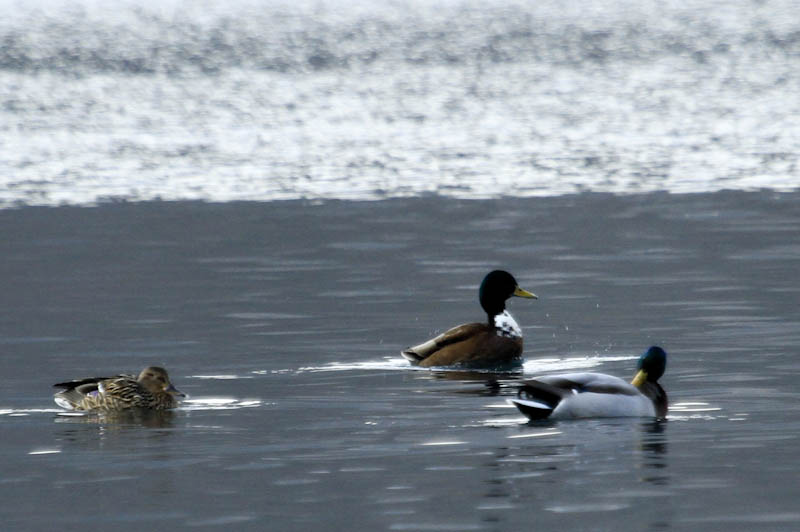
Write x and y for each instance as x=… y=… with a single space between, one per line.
x=651 y=366
x=496 y=288
x=156 y=380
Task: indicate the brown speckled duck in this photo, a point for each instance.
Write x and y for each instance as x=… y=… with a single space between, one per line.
x=492 y=344
x=151 y=390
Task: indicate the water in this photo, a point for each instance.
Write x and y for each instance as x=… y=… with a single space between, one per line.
x=269 y=100
x=272 y=200
x=284 y=322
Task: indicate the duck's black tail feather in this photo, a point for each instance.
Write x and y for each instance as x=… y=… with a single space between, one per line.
x=71 y=385
x=541 y=391
x=537 y=400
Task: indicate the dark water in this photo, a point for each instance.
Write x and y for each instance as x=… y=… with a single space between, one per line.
x=283 y=321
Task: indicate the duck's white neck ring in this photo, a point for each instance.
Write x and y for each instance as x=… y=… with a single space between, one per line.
x=505 y=325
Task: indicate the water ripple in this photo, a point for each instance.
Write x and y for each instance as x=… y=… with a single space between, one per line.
x=220 y=403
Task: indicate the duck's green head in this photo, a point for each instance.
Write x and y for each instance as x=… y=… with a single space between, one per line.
x=496 y=288
x=651 y=366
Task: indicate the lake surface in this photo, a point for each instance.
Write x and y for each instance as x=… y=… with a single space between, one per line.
x=272 y=199
x=284 y=322
x=264 y=100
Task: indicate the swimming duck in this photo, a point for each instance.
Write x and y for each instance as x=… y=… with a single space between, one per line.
x=151 y=390
x=495 y=343
x=585 y=395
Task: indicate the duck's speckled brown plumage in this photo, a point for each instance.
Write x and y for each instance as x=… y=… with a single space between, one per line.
x=151 y=390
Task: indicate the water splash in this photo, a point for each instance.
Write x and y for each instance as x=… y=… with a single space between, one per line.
x=546 y=365
x=529 y=367
x=220 y=403
x=14 y=412
x=384 y=364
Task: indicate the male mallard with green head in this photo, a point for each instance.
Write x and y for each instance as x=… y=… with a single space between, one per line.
x=495 y=343
x=151 y=390
x=586 y=395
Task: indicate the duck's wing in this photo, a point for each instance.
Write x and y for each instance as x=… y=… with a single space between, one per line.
x=588 y=382
x=539 y=398
x=455 y=335
x=76 y=391
x=94 y=392
x=126 y=392
x=91 y=381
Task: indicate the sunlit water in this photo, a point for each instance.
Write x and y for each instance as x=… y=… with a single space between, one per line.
x=390 y=154
x=257 y=100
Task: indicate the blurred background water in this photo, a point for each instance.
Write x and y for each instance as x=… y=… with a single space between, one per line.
x=272 y=199
x=259 y=100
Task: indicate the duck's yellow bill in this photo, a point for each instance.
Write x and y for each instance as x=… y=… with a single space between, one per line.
x=519 y=292
x=640 y=378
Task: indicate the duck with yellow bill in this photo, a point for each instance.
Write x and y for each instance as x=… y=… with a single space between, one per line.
x=591 y=395
x=494 y=343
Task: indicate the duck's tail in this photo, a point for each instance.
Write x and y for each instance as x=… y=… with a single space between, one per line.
x=537 y=400
x=533 y=410
x=68 y=399
x=75 y=392
x=420 y=352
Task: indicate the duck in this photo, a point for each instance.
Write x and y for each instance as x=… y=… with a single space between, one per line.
x=151 y=390
x=595 y=395
x=494 y=343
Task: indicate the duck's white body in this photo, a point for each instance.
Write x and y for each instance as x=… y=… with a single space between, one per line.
x=587 y=395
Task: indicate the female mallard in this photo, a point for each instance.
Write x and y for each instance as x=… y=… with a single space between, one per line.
x=496 y=343
x=582 y=395
x=151 y=390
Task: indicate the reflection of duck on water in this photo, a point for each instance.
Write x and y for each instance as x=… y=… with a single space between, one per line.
x=113 y=420
x=584 y=395
x=151 y=390
x=495 y=343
